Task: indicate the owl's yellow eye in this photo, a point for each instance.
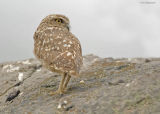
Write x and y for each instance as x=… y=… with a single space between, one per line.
x=58 y=20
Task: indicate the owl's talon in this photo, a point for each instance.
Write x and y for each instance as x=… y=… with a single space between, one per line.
x=60 y=92
x=53 y=93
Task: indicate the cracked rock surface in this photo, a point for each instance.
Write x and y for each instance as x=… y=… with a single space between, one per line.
x=105 y=86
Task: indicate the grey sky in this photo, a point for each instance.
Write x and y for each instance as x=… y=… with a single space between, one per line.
x=115 y=28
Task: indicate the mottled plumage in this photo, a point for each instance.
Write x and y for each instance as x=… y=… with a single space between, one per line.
x=56 y=47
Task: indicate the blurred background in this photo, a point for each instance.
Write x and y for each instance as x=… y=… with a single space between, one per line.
x=107 y=28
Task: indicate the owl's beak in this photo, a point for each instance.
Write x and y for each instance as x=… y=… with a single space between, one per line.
x=68 y=27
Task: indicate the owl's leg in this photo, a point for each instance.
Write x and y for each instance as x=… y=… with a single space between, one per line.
x=66 y=82
x=60 y=89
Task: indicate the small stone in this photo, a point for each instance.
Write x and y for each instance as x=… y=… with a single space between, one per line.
x=59 y=106
x=38 y=70
x=65 y=102
x=127 y=85
x=69 y=107
x=147 y=60
x=82 y=82
x=26 y=62
x=21 y=94
x=13 y=95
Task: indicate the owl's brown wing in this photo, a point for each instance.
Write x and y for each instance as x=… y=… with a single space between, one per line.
x=58 y=49
x=46 y=41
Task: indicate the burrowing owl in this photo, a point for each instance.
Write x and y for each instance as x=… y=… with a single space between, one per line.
x=57 y=48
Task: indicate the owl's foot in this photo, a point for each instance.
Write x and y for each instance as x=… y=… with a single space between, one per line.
x=60 y=92
x=63 y=85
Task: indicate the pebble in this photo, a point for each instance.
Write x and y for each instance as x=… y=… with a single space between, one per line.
x=59 y=106
x=82 y=82
x=26 y=62
x=38 y=70
x=127 y=85
x=62 y=105
x=65 y=102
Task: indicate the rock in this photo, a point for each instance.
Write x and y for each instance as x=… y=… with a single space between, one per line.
x=69 y=107
x=105 y=86
x=147 y=60
x=13 y=95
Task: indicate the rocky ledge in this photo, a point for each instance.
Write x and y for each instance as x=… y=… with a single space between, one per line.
x=105 y=86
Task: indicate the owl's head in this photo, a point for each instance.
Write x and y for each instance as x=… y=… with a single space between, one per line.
x=57 y=20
